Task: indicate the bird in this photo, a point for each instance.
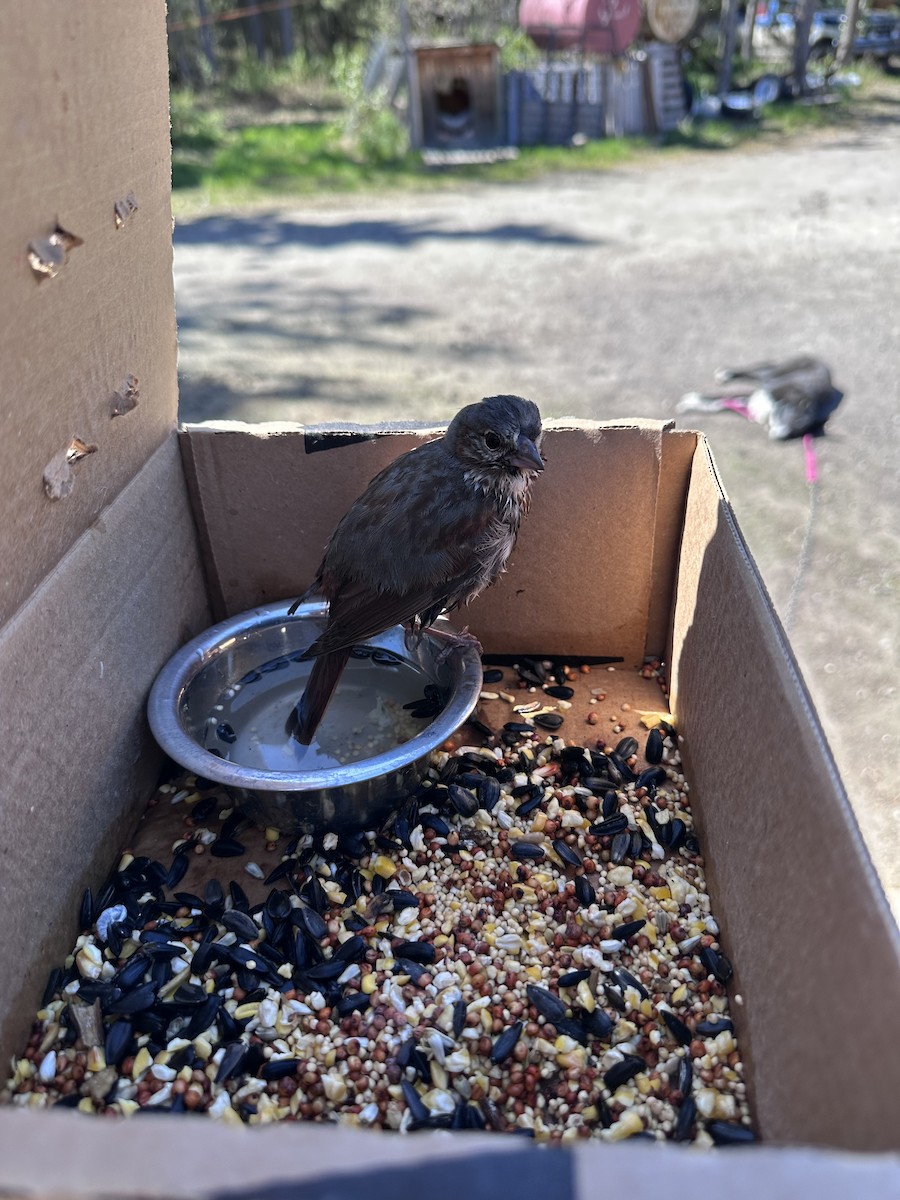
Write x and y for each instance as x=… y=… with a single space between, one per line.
x=429 y=533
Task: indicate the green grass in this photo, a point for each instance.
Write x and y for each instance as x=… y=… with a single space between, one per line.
x=257 y=162
x=214 y=165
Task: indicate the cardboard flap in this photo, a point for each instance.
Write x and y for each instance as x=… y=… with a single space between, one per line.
x=85 y=150
x=784 y=851
x=267 y=499
x=76 y=664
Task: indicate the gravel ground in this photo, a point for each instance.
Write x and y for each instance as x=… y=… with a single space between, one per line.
x=609 y=296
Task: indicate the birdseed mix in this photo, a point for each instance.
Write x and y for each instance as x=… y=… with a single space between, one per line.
x=527 y=948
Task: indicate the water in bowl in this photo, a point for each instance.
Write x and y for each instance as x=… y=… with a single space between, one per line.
x=365 y=718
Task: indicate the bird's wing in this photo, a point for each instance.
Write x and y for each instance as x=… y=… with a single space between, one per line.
x=358 y=612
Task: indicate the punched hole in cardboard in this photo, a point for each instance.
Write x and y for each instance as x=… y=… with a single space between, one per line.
x=126 y=397
x=124 y=208
x=59 y=479
x=48 y=255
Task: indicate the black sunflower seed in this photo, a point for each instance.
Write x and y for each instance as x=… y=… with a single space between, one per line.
x=621 y=847
x=531 y=803
x=419 y=952
x=351 y=1003
x=573 y=978
x=637 y=843
x=488 y=791
x=610 y=804
x=653 y=751
x=492 y=675
x=205 y=953
x=225 y=733
x=710 y=1026
x=118 y=1040
x=715 y=964
x=190 y=996
x=406 y=966
x=729 y=1133
x=626 y=979
x=567 y=853
x=684 y=1078
x=140 y=998
x=607 y=766
x=651 y=778
x=280 y=871
x=278 y=905
x=227 y=849
x=86 y=910
x=54 y=981
x=687 y=1117
x=239 y=923
x=280 y=1068
x=178 y=870
x=531 y=672
x=464 y=801
x=677 y=1028
x=584 y=891
x=353 y=949
x=505 y=1043
x=203 y=1016
x=213 y=898
x=310 y=922
x=548 y=720
x=677 y=834
x=599 y=1024
x=327 y=970
x=574 y=1028
x=559 y=691
x=614 y=996
x=414 y=1102
x=132 y=972
x=549 y=1006
x=232 y=1061
x=626 y=747
x=612 y=825
x=628 y=929
x=460 y=1012
x=529 y=850
x=621 y=1072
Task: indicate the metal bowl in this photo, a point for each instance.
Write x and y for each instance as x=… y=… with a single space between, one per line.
x=358 y=795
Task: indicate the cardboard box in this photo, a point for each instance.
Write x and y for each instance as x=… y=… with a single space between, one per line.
x=631 y=548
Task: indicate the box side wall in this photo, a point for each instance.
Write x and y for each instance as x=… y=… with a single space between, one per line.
x=85 y=103
x=210 y=1160
x=76 y=664
x=805 y=920
x=677 y=453
x=580 y=579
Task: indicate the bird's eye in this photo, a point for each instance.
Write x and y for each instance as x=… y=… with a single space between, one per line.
x=492 y=441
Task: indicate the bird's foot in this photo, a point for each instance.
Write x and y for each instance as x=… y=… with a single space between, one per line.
x=455 y=640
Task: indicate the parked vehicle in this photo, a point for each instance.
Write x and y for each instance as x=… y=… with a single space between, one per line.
x=877 y=37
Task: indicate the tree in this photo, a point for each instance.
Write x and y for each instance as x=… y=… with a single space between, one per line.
x=727 y=38
x=803 y=19
x=848 y=33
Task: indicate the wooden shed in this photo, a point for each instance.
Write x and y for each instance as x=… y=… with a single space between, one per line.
x=455 y=96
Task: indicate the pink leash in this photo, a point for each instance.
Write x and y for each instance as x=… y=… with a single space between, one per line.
x=812 y=478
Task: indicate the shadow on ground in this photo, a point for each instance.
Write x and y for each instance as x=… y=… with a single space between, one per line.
x=274 y=229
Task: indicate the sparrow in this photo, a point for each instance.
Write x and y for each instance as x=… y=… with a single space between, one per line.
x=429 y=533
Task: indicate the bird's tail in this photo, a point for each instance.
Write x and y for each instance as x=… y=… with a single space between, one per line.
x=310 y=708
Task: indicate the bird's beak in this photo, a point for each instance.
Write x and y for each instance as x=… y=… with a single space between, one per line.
x=527 y=456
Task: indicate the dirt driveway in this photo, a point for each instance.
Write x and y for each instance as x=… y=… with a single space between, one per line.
x=608 y=296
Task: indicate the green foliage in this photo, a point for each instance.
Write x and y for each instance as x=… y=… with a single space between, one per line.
x=370 y=128
x=193 y=127
x=517 y=51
